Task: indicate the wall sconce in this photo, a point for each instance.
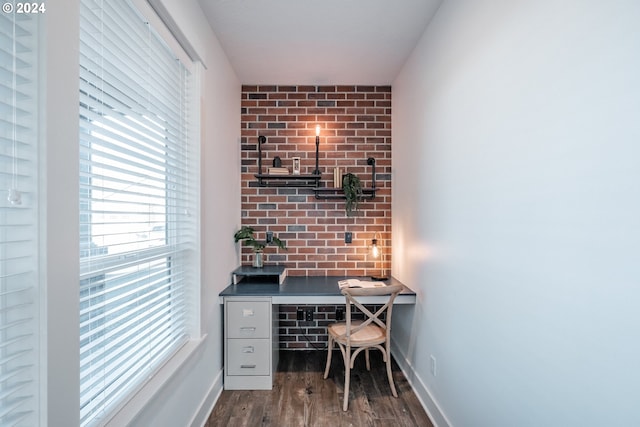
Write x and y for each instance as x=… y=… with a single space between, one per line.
x=317 y=171
x=377 y=254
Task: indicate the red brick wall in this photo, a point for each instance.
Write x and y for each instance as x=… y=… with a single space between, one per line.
x=305 y=335
x=355 y=124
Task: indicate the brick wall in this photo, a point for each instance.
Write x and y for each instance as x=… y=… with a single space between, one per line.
x=304 y=335
x=355 y=124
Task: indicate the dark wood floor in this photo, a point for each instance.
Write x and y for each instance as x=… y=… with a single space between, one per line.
x=301 y=397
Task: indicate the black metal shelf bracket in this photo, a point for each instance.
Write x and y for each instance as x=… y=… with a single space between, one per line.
x=372 y=162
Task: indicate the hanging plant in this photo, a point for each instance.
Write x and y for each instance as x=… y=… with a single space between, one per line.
x=352 y=188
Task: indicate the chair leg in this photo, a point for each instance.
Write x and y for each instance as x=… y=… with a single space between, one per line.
x=347 y=379
x=366 y=358
x=329 y=352
x=390 y=375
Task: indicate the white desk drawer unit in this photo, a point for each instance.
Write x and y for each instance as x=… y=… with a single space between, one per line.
x=251 y=343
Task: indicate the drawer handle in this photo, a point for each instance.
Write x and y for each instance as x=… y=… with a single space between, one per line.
x=247 y=366
x=248 y=328
x=248 y=349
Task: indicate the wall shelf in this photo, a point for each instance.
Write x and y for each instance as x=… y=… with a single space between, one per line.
x=266 y=180
x=338 y=193
x=327 y=193
x=310 y=181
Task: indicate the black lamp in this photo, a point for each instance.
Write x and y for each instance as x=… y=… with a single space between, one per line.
x=317 y=171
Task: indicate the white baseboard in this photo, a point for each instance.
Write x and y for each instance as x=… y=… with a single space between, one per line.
x=209 y=401
x=420 y=389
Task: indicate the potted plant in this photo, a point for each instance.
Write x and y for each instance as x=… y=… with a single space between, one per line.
x=352 y=187
x=246 y=234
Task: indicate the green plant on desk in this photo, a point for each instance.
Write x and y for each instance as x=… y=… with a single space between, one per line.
x=246 y=234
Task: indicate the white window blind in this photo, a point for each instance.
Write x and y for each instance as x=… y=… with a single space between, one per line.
x=19 y=341
x=137 y=194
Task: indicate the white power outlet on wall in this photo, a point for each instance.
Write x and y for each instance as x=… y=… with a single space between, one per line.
x=434 y=370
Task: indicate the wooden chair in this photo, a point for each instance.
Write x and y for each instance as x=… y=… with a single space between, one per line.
x=354 y=336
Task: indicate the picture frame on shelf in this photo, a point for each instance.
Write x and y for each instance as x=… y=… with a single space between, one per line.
x=296 y=165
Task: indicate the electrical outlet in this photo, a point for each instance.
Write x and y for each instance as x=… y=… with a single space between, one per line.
x=300 y=314
x=339 y=313
x=309 y=314
x=434 y=370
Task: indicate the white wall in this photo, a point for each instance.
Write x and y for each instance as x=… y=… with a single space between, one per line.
x=516 y=212
x=187 y=398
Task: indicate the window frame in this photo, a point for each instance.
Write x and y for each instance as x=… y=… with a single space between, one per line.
x=126 y=409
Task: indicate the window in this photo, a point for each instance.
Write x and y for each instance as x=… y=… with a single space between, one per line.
x=19 y=279
x=137 y=205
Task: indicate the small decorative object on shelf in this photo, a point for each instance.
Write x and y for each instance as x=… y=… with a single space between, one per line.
x=278 y=171
x=247 y=235
x=337 y=178
x=296 y=165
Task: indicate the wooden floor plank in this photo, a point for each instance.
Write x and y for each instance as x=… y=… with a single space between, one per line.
x=302 y=397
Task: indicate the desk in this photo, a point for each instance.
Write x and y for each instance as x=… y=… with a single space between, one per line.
x=251 y=322
x=306 y=290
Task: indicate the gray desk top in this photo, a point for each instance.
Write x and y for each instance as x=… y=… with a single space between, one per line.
x=298 y=286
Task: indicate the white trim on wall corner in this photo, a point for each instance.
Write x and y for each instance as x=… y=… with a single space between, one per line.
x=430 y=405
x=209 y=402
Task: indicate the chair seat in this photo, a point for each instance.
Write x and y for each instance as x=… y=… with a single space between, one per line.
x=370 y=334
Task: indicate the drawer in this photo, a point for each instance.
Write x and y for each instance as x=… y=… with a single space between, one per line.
x=248 y=319
x=248 y=357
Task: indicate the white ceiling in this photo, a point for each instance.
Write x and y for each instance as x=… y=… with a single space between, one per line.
x=318 y=42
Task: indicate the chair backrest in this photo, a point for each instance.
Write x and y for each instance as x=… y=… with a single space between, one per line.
x=381 y=317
